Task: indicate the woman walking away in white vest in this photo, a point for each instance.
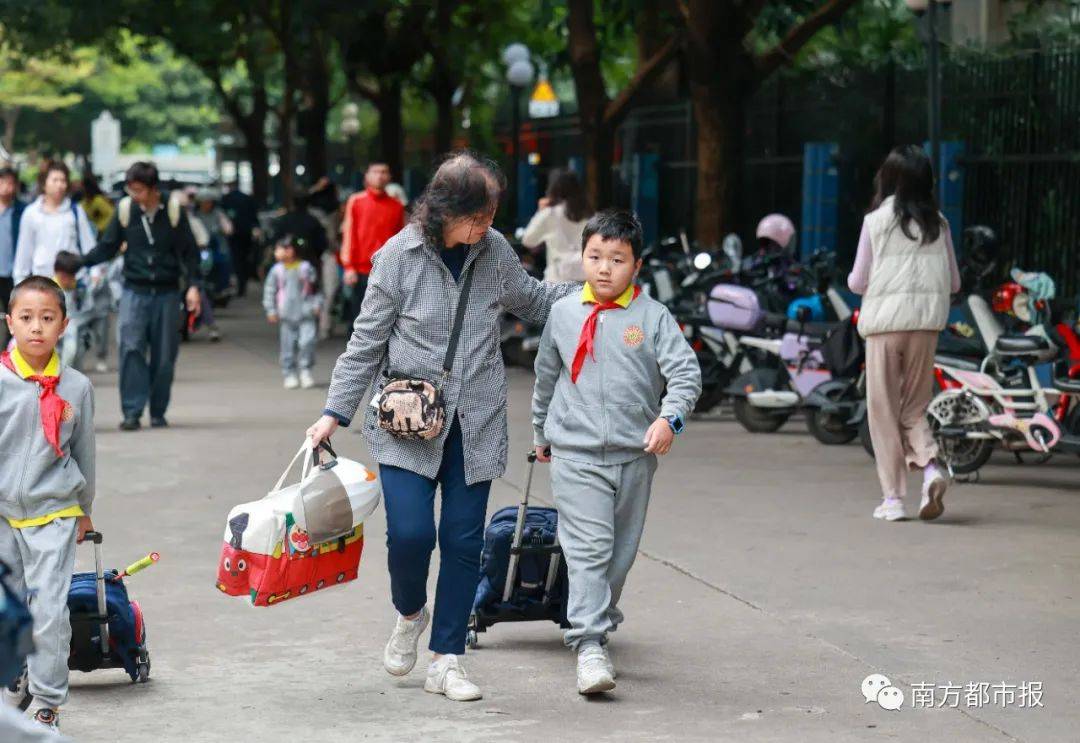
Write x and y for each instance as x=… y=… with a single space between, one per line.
x=905 y=269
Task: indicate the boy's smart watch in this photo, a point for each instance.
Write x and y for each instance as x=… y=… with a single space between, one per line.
x=676 y=423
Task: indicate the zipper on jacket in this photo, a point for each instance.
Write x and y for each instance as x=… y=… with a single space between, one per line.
x=21 y=491
x=600 y=369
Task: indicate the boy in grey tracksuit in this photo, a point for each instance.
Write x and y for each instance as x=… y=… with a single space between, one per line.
x=291 y=299
x=601 y=412
x=46 y=484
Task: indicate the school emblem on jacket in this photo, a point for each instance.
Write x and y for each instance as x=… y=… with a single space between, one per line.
x=633 y=336
x=68 y=413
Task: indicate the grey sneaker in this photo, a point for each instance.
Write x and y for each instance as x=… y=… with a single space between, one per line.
x=44 y=715
x=593 y=670
x=446 y=676
x=400 y=654
x=17 y=693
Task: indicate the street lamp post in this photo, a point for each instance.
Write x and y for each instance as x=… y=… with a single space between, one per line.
x=519 y=74
x=933 y=74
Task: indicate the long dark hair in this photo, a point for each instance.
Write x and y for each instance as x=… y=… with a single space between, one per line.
x=908 y=177
x=90 y=185
x=465 y=184
x=564 y=187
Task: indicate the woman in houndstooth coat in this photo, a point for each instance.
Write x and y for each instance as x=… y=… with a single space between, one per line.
x=404 y=330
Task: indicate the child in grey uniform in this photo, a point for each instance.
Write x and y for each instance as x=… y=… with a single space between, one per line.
x=46 y=484
x=601 y=416
x=292 y=300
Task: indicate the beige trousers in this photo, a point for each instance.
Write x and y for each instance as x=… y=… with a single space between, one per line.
x=899 y=385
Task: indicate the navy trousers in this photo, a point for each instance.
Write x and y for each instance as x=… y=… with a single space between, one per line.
x=148 y=323
x=411 y=535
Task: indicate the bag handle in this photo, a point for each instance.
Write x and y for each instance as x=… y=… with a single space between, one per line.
x=304 y=449
x=459 y=319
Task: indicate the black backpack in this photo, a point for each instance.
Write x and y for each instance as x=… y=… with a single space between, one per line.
x=843 y=350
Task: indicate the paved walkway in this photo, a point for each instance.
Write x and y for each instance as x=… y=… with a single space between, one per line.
x=763 y=596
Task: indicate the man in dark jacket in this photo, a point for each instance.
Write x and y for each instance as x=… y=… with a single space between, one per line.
x=11 y=210
x=242 y=211
x=161 y=256
x=307 y=231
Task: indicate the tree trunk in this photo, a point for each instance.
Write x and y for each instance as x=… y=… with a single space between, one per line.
x=286 y=151
x=10 y=118
x=391 y=128
x=720 y=123
x=316 y=111
x=258 y=154
x=599 y=155
x=443 y=93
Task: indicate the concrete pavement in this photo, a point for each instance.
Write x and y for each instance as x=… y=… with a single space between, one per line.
x=763 y=596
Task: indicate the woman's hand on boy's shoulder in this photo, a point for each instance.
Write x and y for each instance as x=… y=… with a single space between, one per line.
x=659 y=437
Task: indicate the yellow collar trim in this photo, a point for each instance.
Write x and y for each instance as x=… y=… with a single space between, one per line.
x=624 y=299
x=24 y=370
x=290 y=266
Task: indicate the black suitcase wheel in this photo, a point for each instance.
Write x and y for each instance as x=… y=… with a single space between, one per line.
x=471 y=640
x=142 y=668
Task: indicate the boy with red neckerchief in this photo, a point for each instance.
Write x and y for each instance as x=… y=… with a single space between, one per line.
x=46 y=484
x=615 y=379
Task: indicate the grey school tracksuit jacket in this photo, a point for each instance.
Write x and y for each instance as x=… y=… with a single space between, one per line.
x=601 y=476
x=34 y=482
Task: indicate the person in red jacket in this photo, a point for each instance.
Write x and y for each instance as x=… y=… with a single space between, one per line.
x=371 y=218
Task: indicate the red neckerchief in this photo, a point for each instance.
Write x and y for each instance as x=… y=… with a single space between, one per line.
x=52 y=405
x=588 y=332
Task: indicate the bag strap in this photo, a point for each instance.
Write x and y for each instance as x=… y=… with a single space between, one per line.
x=123 y=212
x=459 y=319
x=78 y=237
x=309 y=463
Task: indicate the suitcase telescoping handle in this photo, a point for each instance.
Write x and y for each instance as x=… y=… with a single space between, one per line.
x=519 y=528
x=99 y=584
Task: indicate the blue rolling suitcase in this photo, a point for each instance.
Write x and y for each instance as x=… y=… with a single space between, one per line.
x=522 y=573
x=107 y=627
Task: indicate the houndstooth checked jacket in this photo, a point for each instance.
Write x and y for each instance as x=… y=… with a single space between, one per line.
x=404 y=329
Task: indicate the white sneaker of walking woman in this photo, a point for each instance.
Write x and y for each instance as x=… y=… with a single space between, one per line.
x=891 y=509
x=595 y=672
x=447 y=676
x=400 y=654
x=933 y=492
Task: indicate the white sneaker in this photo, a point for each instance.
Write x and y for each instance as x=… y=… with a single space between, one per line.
x=44 y=715
x=101 y=367
x=891 y=509
x=17 y=693
x=306 y=380
x=400 y=654
x=933 y=493
x=291 y=382
x=593 y=670
x=446 y=676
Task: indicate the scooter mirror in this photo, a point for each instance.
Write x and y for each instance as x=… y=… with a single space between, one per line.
x=702 y=261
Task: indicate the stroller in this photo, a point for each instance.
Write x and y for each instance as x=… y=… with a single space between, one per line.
x=522 y=573
x=107 y=627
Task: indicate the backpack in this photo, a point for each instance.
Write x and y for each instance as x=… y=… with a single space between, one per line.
x=173 y=207
x=16 y=630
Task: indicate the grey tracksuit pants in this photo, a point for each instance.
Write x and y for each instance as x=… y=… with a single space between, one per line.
x=298 y=344
x=601 y=517
x=41 y=559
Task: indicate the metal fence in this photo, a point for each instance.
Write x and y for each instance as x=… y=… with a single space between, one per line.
x=1018 y=117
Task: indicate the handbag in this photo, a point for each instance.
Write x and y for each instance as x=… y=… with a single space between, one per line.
x=302 y=537
x=414 y=409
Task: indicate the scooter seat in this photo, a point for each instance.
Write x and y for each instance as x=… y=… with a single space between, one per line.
x=1021 y=345
x=957 y=362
